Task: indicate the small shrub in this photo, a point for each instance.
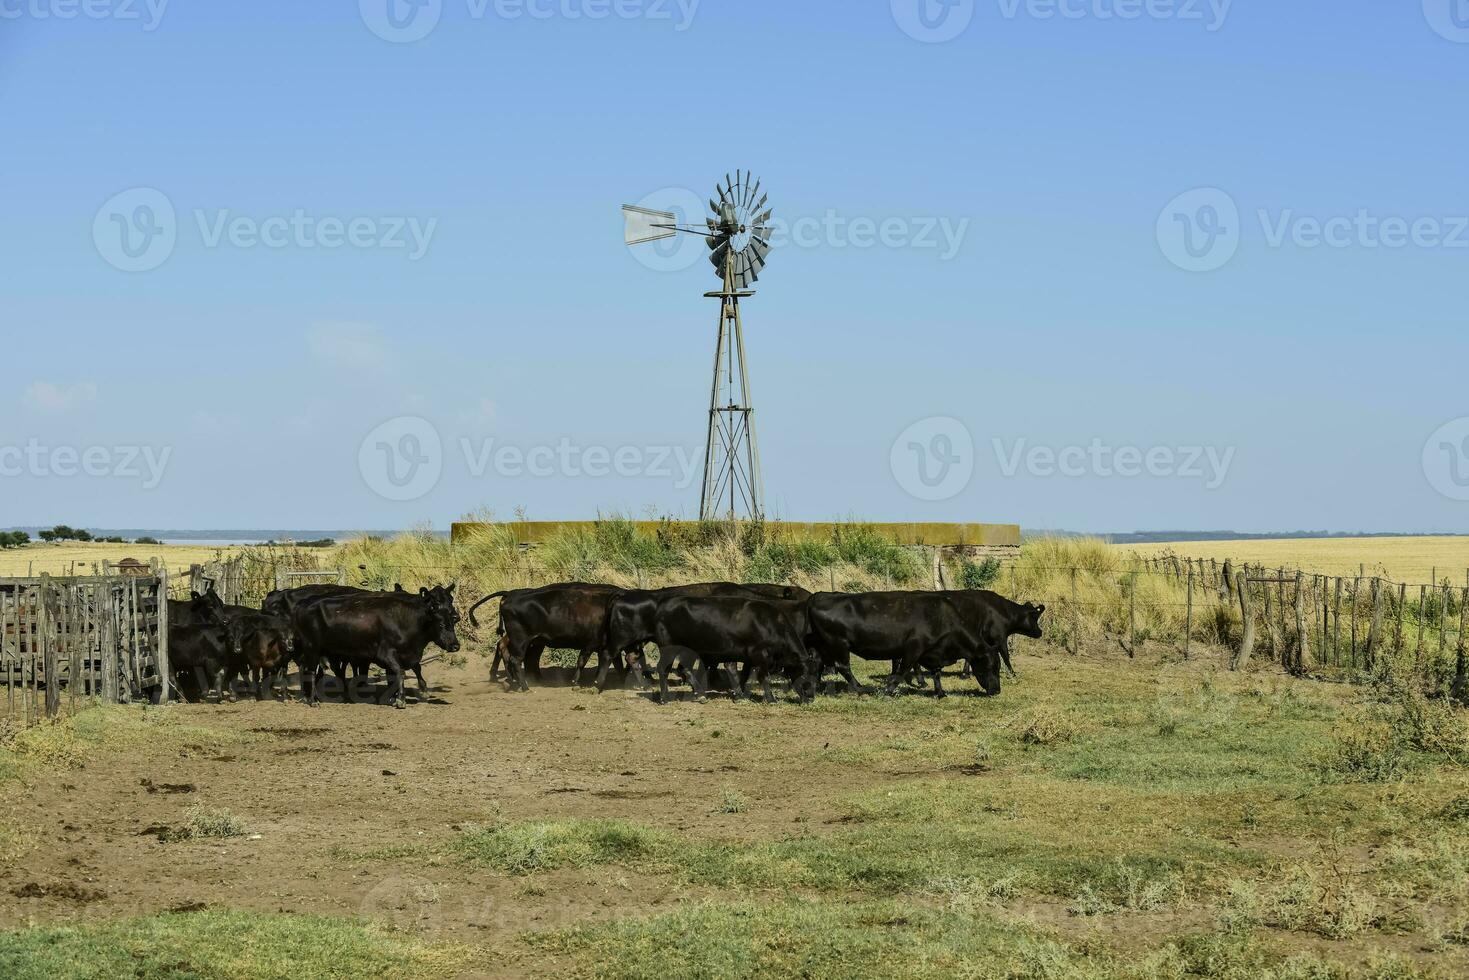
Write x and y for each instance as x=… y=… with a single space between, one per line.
x=204 y=824
x=1043 y=725
x=1434 y=727
x=732 y=801
x=1367 y=753
x=981 y=574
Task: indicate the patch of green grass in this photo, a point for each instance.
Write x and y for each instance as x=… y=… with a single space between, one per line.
x=223 y=945
x=733 y=801
x=204 y=823
x=543 y=845
x=70 y=741
x=857 y=941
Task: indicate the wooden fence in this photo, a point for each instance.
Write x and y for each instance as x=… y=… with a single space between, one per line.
x=65 y=639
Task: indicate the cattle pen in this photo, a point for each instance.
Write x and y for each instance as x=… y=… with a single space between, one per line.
x=93 y=637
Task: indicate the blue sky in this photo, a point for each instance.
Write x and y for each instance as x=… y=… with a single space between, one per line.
x=1033 y=287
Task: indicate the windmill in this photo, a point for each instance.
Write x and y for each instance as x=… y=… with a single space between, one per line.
x=738 y=235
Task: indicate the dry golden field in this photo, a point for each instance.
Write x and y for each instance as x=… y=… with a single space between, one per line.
x=1410 y=560
x=62 y=559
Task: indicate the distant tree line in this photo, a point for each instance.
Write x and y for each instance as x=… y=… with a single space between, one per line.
x=65 y=532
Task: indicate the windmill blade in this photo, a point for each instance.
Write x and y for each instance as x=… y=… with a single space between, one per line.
x=760 y=251
x=716 y=240
x=753 y=191
x=761 y=202
x=765 y=218
x=718 y=255
x=642 y=225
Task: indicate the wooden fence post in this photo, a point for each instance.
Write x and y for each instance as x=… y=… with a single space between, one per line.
x=1457 y=691
x=1356 y=587
x=1188 y=616
x=165 y=695
x=1443 y=624
x=1418 y=649
x=48 y=647
x=1301 y=641
x=1397 y=643
x=1132 y=617
x=1374 y=628
x=1336 y=626
x=1075 y=617
x=1247 y=637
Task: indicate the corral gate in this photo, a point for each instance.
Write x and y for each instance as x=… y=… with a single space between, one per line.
x=103 y=636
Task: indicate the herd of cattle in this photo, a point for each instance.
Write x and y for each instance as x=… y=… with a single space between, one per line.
x=748 y=632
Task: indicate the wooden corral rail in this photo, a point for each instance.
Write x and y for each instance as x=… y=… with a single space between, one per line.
x=102 y=637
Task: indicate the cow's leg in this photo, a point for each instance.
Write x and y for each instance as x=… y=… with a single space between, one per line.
x=582 y=659
x=665 y=666
x=422 y=684
x=844 y=667
x=938 y=683
x=501 y=646
x=257 y=680
x=765 y=683
x=394 y=668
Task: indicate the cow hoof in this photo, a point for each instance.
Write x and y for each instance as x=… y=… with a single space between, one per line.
x=701 y=699
x=400 y=705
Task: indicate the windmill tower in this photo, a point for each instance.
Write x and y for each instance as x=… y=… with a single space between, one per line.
x=738 y=236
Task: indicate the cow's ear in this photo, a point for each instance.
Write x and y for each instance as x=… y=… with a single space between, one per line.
x=450 y=589
x=422 y=591
x=195 y=595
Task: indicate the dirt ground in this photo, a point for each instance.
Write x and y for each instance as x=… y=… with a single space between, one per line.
x=318 y=787
x=347 y=807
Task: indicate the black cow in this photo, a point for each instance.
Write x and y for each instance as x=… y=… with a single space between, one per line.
x=632 y=617
x=288 y=604
x=390 y=630
x=570 y=615
x=201 y=608
x=758 y=633
x=1022 y=619
x=199 y=650
x=911 y=629
x=259 y=647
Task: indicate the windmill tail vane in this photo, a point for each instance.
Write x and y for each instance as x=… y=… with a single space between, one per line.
x=737 y=232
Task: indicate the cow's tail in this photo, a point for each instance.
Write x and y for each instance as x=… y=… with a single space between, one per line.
x=492 y=595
